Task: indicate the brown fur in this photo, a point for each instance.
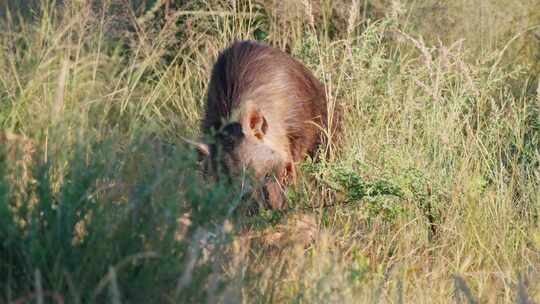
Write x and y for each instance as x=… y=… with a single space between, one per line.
x=266 y=110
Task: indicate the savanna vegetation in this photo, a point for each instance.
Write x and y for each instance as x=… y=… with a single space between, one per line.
x=430 y=196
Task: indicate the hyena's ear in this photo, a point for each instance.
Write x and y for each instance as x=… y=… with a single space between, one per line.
x=202 y=148
x=290 y=173
x=257 y=124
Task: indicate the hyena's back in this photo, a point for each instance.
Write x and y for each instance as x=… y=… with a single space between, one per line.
x=248 y=77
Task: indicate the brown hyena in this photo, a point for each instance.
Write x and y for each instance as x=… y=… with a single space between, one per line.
x=265 y=112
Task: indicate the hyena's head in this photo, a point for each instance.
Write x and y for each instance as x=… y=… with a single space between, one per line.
x=240 y=149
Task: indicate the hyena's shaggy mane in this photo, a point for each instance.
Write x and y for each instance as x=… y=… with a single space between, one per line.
x=250 y=74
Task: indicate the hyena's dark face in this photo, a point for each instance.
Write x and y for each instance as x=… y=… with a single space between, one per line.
x=235 y=154
x=223 y=158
